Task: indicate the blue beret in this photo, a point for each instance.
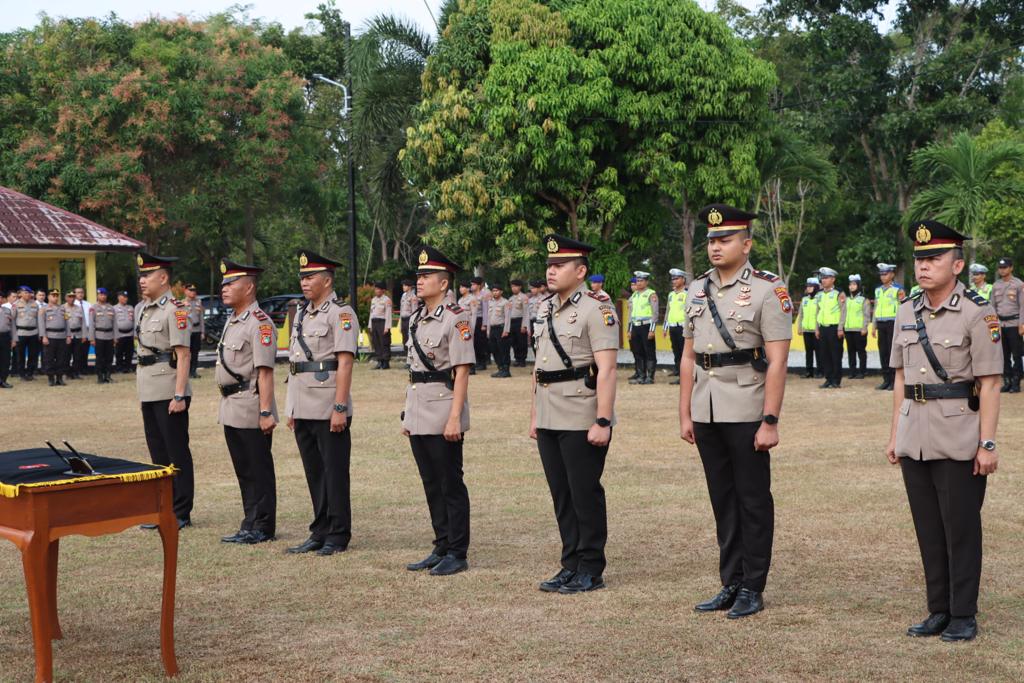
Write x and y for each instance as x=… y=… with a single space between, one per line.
x=596 y=278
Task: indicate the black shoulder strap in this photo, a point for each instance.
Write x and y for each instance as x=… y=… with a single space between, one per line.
x=566 y=361
x=722 y=330
x=138 y=335
x=926 y=346
x=414 y=325
x=298 y=334
x=224 y=363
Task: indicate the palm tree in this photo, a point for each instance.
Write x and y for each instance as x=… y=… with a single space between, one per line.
x=962 y=176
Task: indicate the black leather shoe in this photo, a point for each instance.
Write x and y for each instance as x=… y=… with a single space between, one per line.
x=428 y=562
x=724 y=600
x=308 y=546
x=5 y=385
x=182 y=523
x=557 y=581
x=237 y=537
x=255 y=536
x=328 y=549
x=449 y=565
x=960 y=629
x=747 y=602
x=826 y=385
x=935 y=624
x=582 y=583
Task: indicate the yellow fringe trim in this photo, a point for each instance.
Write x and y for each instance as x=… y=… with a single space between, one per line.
x=12 y=490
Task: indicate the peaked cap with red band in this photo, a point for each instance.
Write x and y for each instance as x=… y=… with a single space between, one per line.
x=148 y=263
x=431 y=260
x=311 y=262
x=723 y=219
x=562 y=248
x=231 y=271
x=932 y=238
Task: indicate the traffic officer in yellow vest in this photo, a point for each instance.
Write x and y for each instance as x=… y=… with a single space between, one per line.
x=56 y=335
x=733 y=377
x=643 y=320
x=165 y=394
x=948 y=359
x=101 y=331
x=323 y=347
x=27 y=331
x=888 y=296
x=978 y=275
x=124 y=335
x=436 y=415
x=197 y=320
x=573 y=410
x=248 y=411
x=829 y=333
x=675 y=318
x=1007 y=294
x=807 y=322
x=855 y=328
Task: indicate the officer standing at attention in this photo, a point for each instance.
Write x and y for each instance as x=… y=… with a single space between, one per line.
x=499 y=325
x=643 y=319
x=198 y=322
x=573 y=410
x=467 y=301
x=978 y=274
x=380 y=325
x=740 y=325
x=596 y=282
x=947 y=358
x=518 y=304
x=534 y=305
x=830 y=333
x=888 y=296
x=855 y=328
x=436 y=415
x=6 y=339
x=163 y=330
x=675 y=318
x=1007 y=293
x=248 y=412
x=53 y=323
x=480 y=341
x=323 y=347
x=807 y=322
x=78 y=344
x=26 y=326
x=101 y=331
x=406 y=305
x=124 y=332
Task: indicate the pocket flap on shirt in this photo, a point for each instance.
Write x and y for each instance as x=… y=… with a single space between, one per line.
x=949 y=341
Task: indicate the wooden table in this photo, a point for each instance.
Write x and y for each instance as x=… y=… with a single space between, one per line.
x=37 y=518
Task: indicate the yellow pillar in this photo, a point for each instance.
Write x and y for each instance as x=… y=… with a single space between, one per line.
x=90 y=276
x=55 y=276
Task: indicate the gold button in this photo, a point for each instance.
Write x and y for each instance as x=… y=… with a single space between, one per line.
x=414 y=387
x=441 y=394
x=945 y=341
x=711 y=373
x=556 y=315
x=720 y=295
x=711 y=346
x=961 y=409
x=923 y=371
x=755 y=378
x=932 y=316
x=545 y=359
x=579 y=391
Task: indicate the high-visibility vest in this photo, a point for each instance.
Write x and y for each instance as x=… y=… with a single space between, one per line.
x=642 y=304
x=676 y=314
x=985 y=291
x=808 y=313
x=854 y=312
x=828 y=307
x=887 y=302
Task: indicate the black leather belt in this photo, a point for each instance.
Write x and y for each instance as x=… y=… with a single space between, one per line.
x=313 y=366
x=57 y=331
x=153 y=359
x=1004 y=318
x=22 y=327
x=427 y=377
x=925 y=392
x=567 y=375
x=229 y=389
x=76 y=329
x=104 y=329
x=718 y=360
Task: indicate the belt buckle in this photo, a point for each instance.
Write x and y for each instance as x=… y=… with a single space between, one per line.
x=705 y=361
x=919 y=394
x=291 y=368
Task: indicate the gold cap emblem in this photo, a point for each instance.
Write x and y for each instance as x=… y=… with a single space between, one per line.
x=423 y=257
x=138 y=259
x=714 y=217
x=303 y=260
x=552 y=245
x=923 y=234
x=223 y=268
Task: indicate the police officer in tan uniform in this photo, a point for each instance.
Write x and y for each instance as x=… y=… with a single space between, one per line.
x=248 y=412
x=948 y=358
x=163 y=329
x=323 y=347
x=731 y=381
x=78 y=343
x=573 y=410
x=518 y=305
x=436 y=416
x=406 y=306
x=478 y=311
x=468 y=302
x=26 y=328
x=6 y=337
x=198 y=322
x=1007 y=297
x=124 y=332
x=499 y=327
x=53 y=325
x=101 y=332
x=380 y=325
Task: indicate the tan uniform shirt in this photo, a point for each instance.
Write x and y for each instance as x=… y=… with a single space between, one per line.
x=76 y=321
x=407 y=304
x=124 y=321
x=53 y=322
x=249 y=342
x=446 y=337
x=584 y=324
x=1006 y=297
x=26 y=319
x=6 y=319
x=966 y=339
x=468 y=302
x=499 y=315
x=476 y=310
x=380 y=307
x=331 y=329
x=195 y=315
x=161 y=325
x=518 y=304
x=755 y=307
x=101 y=325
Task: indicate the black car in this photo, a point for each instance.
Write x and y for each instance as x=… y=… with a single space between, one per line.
x=215 y=315
x=277 y=307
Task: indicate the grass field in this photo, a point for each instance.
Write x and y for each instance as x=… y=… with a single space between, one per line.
x=846 y=579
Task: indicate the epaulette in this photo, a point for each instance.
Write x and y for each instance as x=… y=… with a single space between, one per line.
x=260 y=315
x=766 y=275
x=455 y=308
x=600 y=296
x=178 y=303
x=975 y=297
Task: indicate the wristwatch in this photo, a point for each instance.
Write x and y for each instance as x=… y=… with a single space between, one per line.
x=771 y=420
x=179 y=398
x=266 y=413
x=988 y=444
x=340 y=408
x=603 y=422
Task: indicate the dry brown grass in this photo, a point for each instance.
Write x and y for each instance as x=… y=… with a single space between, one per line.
x=845 y=583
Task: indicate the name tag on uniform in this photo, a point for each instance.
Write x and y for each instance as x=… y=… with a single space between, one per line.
x=908 y=327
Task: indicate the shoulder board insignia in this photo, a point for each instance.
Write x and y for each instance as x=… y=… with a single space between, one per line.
x=327 y=304
x=245 y=316
x=708 y=272
x=975 y=297
x=260 y=315
x=576 y=297
x=455 y=308
x=599 y=296
x=766 y=275
x=179 y=303
x=438 y=311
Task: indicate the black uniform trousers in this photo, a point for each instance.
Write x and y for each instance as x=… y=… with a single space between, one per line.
x=78 y=356
x=810 y=352
x=380 y=338
x=26 y=355
x=55 y=356
x=124 y=347
x=885 y=329
x=440 y=465
x=195 y=343
x=831 y=353
x=573 y=468
x=499 y=346
x=675 y=335
x=167 y=438
x=254 y=468
x=104 y=355
x=945 y=501
x=856 y=351
x=404 y=324
x=480 y=343
x=643 y=348
x=326 y=457
x=1012 y=349
x=519 y=340
x=5 y=356
x=740 y=485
